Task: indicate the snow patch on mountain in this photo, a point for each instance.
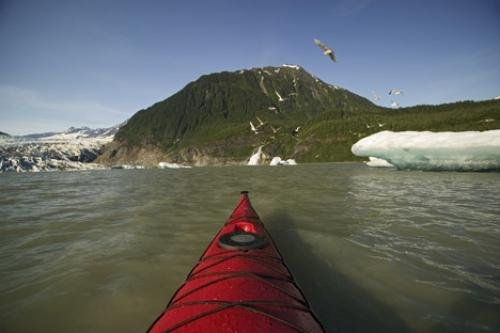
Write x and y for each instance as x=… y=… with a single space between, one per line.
x=297 y=67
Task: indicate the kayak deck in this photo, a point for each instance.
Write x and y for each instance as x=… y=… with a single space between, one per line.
x=240 y=284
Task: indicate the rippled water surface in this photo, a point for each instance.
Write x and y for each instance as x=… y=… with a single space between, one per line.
x=383 y=250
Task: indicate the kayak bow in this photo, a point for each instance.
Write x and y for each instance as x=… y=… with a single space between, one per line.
x=240 y=284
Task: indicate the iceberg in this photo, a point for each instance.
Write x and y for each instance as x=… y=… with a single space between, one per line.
x=378 y=163
x=167 y=165
x=452 y=151
x=278 y=161
x=256 y=158
x=127 y=166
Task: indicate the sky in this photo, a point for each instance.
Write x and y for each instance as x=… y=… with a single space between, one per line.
x=97 y=62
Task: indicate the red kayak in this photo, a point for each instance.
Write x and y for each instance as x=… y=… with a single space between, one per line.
x=240 y=284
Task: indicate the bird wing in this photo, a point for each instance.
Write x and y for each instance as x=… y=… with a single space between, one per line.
x=320 y=45
x=332 y=56
x=326 y=50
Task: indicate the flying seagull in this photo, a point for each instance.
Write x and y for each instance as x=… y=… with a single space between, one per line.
x=274 y=109
x=376 y=97
x=326 y=50
x=394 y=104
x=275 y=130
x=395 y=92
x=280 y=99
x=261 y=123
x=253 y=128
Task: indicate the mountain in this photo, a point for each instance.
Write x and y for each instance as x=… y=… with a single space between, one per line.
x=55 y=150
x=3 y=134
x=208 y=121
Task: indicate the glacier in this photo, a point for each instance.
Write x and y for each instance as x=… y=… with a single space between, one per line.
x=73 y=149
x=447 y=151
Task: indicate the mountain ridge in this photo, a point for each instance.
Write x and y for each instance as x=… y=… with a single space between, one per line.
x=215 y=110
x=208 y=121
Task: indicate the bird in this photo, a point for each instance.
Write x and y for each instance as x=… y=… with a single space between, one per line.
x=253 y=128
x=326 y=50
x=296 y=131
x=381 y=125
x=274 y=109
x=394 y=104
x=275 y=130
x=395 y=92
x=280 y=99
x=376 y=97
x=261 y=123
x=368 y=126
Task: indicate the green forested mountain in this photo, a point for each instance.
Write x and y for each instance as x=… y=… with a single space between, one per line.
x=208 y=121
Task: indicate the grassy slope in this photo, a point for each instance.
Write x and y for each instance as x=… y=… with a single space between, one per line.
x=333 y=137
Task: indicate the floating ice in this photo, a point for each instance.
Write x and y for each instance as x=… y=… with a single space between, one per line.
x=256 y=158
x=167 y=165
x=128 y=166
x=378 y=163
x=460 y=151
x=278 y=161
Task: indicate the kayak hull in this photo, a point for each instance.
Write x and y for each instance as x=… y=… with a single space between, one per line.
x=240 y=284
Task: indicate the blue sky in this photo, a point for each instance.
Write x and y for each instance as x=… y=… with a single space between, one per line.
x=97 y=62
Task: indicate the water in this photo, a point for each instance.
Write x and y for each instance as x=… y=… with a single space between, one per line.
x=373 y=250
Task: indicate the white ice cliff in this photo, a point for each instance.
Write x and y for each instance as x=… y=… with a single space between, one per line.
x=460 y=151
